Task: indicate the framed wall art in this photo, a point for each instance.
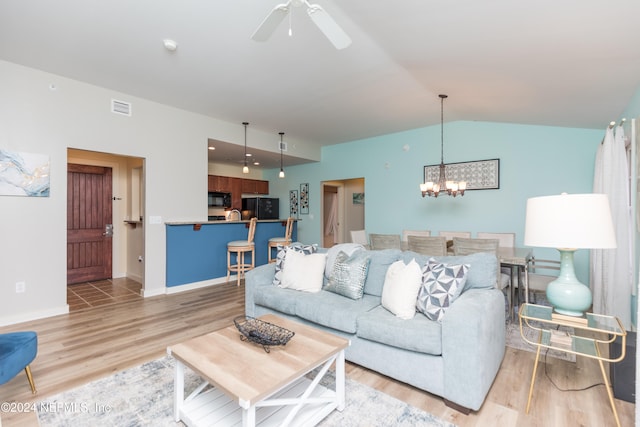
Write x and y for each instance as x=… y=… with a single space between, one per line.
x=24 y=174
x=293 y=203
x=479 y=174
x=304 y=198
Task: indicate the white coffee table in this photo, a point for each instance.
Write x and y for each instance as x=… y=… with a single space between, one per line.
x=253 y=387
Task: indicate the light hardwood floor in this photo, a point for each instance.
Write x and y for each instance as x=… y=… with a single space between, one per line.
x=93 y=343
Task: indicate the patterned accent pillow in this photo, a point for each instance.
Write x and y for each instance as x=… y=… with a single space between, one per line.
x=282 y=251
x=441 y=285
x=349 y=274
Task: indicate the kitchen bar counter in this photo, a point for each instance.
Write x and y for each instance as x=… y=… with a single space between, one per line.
x=197 y=251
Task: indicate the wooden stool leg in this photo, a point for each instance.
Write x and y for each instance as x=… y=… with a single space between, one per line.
x=240 y=266
x=27 y=369
x=228 y=265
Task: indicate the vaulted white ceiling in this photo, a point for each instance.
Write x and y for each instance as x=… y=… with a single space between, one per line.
x=573 y=63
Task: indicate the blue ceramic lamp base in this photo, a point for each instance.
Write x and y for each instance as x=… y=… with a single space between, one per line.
x=567 y=294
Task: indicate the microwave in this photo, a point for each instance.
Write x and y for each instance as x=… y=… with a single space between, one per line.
x=219 y=200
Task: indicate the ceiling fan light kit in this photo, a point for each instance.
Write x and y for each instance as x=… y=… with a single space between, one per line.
x=318 y=15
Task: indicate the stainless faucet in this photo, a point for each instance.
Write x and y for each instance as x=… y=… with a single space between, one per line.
x=231 y=212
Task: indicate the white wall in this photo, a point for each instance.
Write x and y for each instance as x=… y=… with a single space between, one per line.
x=34 y=118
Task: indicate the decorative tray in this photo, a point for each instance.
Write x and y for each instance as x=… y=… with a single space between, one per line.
x=261 y=332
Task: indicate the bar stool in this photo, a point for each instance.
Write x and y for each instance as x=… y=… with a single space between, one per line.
x=283 y=241
x=240 y=248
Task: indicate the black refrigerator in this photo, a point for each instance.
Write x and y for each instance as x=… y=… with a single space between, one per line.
x=261 y=208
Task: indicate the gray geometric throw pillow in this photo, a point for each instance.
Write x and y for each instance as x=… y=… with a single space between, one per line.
x=349 y=274
x=282 y=251
x=441 y=285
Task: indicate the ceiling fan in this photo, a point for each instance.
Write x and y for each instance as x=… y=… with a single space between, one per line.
x=327 y=25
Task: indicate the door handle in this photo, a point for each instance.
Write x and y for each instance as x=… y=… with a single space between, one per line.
x=108 y=230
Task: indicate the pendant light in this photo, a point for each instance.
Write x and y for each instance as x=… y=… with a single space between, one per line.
x=281 y=175
x=451 y=188
x=245 y=168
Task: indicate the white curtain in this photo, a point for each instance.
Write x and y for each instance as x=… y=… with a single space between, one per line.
x=612 y=269
x=331 y=225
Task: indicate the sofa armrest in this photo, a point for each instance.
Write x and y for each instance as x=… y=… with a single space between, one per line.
x=473 y=345
x=259 y=276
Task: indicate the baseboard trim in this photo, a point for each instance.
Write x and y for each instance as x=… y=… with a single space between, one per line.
x=34 y=315
x=196 y=285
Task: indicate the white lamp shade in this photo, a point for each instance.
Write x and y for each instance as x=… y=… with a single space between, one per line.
x=569 y=221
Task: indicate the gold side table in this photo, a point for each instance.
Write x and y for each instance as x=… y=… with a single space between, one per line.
x=545 y=321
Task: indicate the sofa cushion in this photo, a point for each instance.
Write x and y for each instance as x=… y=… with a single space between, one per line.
x=348 y=275
x=279 y=299
x=333 y=310
x=303 y=272
x=418 y=334
x=441 y=285
x=380 y=262
x=483 y=267
x=282 y=252
x=401 y=286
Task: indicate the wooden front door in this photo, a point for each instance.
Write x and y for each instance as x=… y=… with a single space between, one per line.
x=89 y=223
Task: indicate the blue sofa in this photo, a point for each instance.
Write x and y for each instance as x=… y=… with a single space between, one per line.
x=456 y=358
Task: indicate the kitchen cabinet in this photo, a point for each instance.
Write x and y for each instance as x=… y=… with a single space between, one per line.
x=255 y=186
x=219 y=183
x=236 y=193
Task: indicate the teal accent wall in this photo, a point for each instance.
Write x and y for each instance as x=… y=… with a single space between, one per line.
x=534 y=161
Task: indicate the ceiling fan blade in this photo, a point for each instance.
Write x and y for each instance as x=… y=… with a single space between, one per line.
x=328 y=26
x=271 y=22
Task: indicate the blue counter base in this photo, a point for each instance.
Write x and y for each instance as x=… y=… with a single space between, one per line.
x=198 y=252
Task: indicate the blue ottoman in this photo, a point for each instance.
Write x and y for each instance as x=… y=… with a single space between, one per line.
x=17 y=351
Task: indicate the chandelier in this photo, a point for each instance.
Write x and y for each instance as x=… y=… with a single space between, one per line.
x=450 y=188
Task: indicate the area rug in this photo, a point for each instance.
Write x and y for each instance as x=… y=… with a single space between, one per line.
x=143 y=396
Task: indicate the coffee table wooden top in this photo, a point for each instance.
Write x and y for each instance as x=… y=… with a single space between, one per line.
x=244 y=371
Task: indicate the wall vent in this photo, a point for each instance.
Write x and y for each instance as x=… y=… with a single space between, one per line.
x=282 y=146
x=120 y=107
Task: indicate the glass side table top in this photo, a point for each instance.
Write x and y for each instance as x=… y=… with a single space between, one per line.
x=590 y=321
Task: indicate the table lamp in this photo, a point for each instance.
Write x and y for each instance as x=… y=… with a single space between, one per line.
x=569 y=222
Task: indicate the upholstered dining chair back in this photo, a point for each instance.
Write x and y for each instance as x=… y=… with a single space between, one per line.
x=427 y=245
x=359 y=236
x=407 y=233
x=384 y=241
x=505 y=240
x=463 y=246
x=449 y=235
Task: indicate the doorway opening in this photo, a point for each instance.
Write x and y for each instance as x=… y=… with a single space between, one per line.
x=105 y=232
x=342 y=210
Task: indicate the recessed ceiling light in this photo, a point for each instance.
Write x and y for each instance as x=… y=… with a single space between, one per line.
x=170 y=45
x=256 y=163
x=212 y=148
x=248 y=154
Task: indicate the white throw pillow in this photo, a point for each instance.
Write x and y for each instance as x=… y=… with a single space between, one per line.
x=401 y=286
x=303 y=272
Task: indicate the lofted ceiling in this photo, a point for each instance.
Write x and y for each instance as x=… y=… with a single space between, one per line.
x=570 y=63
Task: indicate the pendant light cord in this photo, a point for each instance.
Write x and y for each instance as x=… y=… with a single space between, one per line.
x=442 y=98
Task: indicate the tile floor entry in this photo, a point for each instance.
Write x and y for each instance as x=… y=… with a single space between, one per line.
x=102 y=292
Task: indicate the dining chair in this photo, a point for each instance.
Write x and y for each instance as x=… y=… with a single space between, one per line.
x=449 y=235
x=541 y=273
x=407 y=233
x=505 y=240
x=467 y=246
x=427 y=245
x=384 y=241
x=359 y=236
